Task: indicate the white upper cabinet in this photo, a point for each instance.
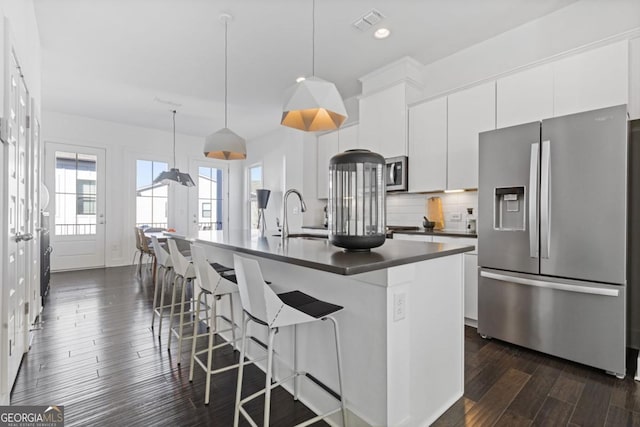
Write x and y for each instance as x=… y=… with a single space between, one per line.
x=525 y=97
x=383 y=121
x=590 y=80
x=428 y=146
x=348 y=138
x=327 y=148
x=470 y=112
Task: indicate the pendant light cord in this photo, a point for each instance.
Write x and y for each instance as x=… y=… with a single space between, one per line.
x=174 y=137
x=313 y=38
x=226 y=61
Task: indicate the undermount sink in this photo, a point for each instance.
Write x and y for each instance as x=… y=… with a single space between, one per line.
x=307 y=236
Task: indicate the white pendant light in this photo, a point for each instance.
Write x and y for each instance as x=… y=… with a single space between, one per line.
x=313 y=104
x=174 y=174
x=225 y=144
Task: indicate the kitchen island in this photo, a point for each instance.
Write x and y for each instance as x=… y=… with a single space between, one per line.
x=402 y=331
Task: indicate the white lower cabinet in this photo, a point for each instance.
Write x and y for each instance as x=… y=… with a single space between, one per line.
x=469 y=274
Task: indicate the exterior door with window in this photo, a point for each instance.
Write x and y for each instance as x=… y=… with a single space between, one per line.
x=77 y=176
x=208 y=208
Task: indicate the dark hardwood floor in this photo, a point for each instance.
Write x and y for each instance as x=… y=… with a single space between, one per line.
x=506 y=385
x=97 y=355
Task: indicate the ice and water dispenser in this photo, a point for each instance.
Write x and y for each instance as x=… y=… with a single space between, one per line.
x=509 y=209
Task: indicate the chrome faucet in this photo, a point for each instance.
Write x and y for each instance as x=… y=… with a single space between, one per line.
x=285 y=222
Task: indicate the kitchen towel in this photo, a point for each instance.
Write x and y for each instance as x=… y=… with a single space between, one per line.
x=434 y=212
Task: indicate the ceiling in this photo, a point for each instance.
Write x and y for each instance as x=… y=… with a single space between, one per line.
x=120 y=60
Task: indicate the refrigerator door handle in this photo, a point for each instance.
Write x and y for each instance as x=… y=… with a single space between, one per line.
x=551 y=285
x=533 y=199
x=545 y=208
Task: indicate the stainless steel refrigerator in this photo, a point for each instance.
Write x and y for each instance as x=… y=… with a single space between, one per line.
x=552 y=236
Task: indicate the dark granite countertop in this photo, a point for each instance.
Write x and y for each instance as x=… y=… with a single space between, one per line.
x=319 y=254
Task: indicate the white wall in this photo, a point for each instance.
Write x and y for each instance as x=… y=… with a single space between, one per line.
x=575 y=26
x=124 y=144
x=288 y=161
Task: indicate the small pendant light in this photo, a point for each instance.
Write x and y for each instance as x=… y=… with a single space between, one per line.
x=313 y=104
x=225 y=144
x=174 y=174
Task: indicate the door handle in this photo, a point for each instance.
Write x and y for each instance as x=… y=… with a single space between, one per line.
x=533 y=200
x=551 y=285
x=545 y=202
x=23 y=237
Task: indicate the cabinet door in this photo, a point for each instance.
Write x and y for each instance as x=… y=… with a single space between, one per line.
x=591 y=80
x=428 y=146
x=327 y=148
x=382 y=122
x=348 y=138
x=470 y=112
x=525 y=97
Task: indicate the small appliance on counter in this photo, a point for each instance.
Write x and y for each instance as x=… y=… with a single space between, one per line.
x=471 y=221
x=397 y=174
x=356 y=213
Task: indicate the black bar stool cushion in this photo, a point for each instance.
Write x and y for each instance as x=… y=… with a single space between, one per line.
x=308 y=304
x=220 y=268
x=231 y=277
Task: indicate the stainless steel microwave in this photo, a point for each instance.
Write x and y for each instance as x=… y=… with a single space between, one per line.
x=397 y=173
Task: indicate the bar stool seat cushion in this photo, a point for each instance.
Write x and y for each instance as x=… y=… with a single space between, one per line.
x=220 y=268
x=308 y=304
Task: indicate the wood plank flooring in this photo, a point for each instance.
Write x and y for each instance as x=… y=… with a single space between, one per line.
x=506 y=385
x=97 y=355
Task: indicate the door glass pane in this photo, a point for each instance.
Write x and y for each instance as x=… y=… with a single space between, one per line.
x=75 y=193
x=210 y=198
x=151 y=199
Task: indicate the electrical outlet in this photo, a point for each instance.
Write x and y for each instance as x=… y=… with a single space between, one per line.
x=399 y=306
x=296 y=210
x=456 y=217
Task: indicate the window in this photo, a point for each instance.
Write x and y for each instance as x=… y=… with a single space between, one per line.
x=151 y=199
x=210 y=198
x=75 y=184
x=206 y=210
x=255 y=182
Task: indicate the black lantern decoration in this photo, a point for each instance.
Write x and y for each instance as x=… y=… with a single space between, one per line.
x=357 y=200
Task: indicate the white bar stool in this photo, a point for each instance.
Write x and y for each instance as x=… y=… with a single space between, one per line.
x=211 y=283
x=262 y=305
x=166 y=264
x=184 y=272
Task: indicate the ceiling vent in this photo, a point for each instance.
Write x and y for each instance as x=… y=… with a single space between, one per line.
x=368 y=20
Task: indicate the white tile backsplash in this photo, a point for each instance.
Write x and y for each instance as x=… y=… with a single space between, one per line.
x=408 y=209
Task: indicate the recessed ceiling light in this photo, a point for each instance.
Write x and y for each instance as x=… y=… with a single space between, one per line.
x=301 y=78
x=382 y=33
